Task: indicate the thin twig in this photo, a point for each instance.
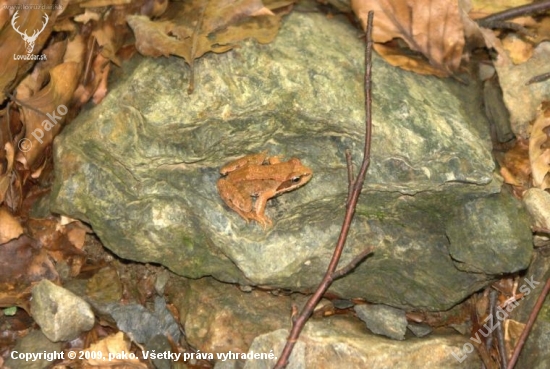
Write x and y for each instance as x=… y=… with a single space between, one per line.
x=500 y=343
x=520 y=11
x=350 y=173
x=540 y=230
x=539 y=78
x=529 y=325
x=353 y=197
x=25 y=105
x=352 y=264
x=493 y=294
x=194 y=43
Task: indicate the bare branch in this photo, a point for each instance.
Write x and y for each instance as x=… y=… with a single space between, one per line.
x=355 y=190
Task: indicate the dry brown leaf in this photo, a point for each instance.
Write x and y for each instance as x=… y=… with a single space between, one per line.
x=512 y=332
x=34 y=81
x=518 y=50
x=483 y=8
x=515 y=166
x=51 y=101
x=114 y=347
x=539 y=153
x=62 y=243
x=190 y=28
x=102 y=3
x=194 y=28
x=6 y=173
x=11 y=43
x=76 y=234
x=412 y=63
x=22 y=262
x=431 y=27
x=87 y=16
x=10 y=228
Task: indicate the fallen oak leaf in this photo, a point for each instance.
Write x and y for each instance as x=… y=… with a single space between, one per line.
x=44 y=113
x=515 y=166
x=6 y=173
x=431 y=27
x=483 y=8
x=413 y=63
x=194 y=28
x=23 y=262
x=13 y=69
x=116 y=349
x=10 y=228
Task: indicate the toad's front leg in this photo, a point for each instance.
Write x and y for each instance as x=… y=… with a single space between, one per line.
x=259 y=207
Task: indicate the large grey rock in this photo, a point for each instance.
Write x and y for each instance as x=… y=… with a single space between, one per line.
x=339 y=342
x=141 y=168
x=61 y=314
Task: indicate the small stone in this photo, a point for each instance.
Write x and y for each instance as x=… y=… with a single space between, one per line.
x=34 y=342
x=384 y=320
x=420 y=330
x=62 y=315
x=342 y=304
x=537 y=203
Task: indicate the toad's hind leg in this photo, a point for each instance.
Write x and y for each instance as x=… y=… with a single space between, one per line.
x=234 y=198
x=252 y=159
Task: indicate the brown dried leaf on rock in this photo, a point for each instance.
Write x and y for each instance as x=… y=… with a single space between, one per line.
x=194 y=28
x=431 y=27
x=539 y=148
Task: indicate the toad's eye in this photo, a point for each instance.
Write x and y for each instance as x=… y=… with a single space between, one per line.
x=295 y=179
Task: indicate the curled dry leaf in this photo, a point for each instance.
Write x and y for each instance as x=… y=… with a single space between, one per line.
x=431 y=27
x=539 y=153
x=44 y=113
x=11 y=43
x=191 y=29
x=10 y=228
x=114 y=347
x=6 y=172
x=518 y=50
x=22 y=263
x=483 y=8
x=512 y=332
x=515 y=167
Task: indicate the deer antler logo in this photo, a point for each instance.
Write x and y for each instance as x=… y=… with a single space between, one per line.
x=29 y=40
